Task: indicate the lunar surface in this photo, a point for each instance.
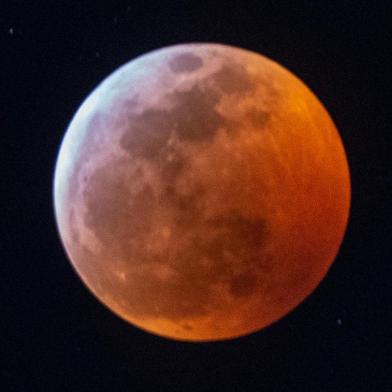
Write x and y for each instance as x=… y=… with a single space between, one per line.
x=201 y=192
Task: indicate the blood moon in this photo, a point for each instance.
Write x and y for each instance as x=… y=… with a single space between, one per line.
x=201 y=192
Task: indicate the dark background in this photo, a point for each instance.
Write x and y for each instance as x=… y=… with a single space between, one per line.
x=55 y=336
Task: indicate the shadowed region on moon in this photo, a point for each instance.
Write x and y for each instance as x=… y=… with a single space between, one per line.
x=192 y=119
x=204 y=209
x=215 y=250
x=154 y=133
x=186 y=62
x=258 y=118
x=214 y=246
x=233 y=79
x=115 y=215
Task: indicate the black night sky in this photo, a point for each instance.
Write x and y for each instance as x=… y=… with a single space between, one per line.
x=55 y=336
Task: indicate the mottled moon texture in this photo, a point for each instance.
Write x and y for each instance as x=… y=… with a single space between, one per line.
x=201 y=192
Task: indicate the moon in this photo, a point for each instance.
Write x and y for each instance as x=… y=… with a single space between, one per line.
x=201 y=192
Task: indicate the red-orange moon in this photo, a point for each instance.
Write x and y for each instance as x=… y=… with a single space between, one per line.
x=201 y=192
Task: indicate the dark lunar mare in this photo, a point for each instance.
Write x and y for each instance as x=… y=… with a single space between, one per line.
x=218 y=248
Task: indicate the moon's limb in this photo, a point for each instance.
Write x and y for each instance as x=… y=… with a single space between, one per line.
x=202 y=192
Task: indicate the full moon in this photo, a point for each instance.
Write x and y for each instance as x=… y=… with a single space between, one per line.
x=201 y=192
